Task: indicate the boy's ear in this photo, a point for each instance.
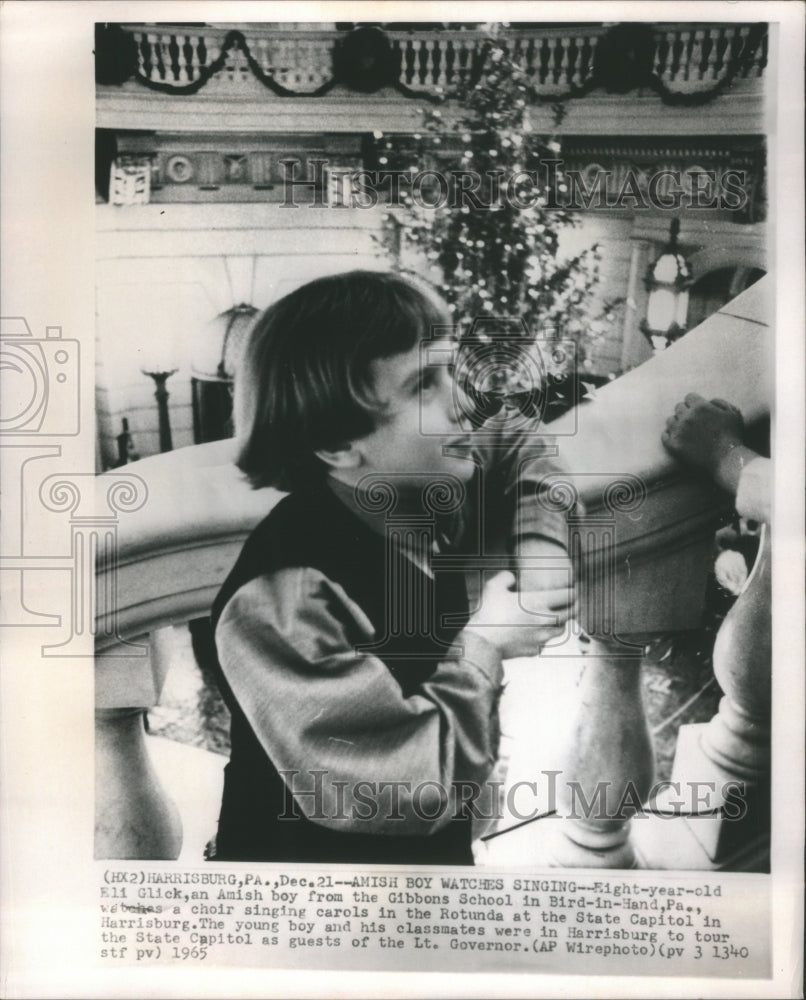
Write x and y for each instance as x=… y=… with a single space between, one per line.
x=345 y=457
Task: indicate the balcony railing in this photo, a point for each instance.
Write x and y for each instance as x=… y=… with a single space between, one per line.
x=687 y=58
x=169 y=560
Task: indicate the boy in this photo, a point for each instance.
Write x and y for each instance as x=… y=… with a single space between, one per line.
x=351 y=735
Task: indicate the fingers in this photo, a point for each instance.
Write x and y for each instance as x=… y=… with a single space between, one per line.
x=552 y=600
x=693 y=399
x=723 y=404
x=503 y=581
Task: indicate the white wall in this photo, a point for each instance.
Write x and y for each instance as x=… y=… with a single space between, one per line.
x=165 y=271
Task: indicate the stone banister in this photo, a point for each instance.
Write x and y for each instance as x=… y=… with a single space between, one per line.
x=173 y=554
x=663 y=538
x=649 y=548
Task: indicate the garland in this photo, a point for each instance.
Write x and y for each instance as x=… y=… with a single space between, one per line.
x=622 y=64
x=364 y=41
x=622 y=67
x=233 y=40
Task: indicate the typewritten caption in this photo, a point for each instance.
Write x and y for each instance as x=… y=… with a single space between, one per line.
x=621 y=923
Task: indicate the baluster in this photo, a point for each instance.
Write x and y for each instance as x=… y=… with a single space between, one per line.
x=668 y=68
x=213 y=50
x=607 y=768
x=296 y=62
x=760 y=58
x=514 y=49
x=564 y=61
x=279 y=53
x=154 y=58
x=728 y=758
x=415 y=49
x=656 y=62
x=402 y=47
x=442 y=52
x=262 y=54
x=729 y=51
x=428 y=69
x=231 y=65
x=308 y=65
x=448 y=52
x=683 y=67
x=181 y=60
x=167 y=62
x=593 y=41
x=134 y=818
x=139 y=38
x=271 y=58
x=551 y=67
x=298 y=53
x=578 y=49
x=744 y=31
x=243 y=65
x=195 y=58
x=468 y=47
x=695 y=62
x=530 y=57
x=323 y=60
x=738 y=736
x=710 y=67
x=288 y=64
x=310 y=74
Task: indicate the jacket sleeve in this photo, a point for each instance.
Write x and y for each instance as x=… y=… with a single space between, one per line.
x=287 y=643
x=521 y=467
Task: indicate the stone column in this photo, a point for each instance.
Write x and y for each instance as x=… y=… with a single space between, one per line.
x=607 y=767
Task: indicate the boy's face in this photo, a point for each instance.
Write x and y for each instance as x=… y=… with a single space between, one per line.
x=419 y=419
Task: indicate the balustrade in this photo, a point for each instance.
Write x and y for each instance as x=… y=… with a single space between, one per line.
x=173 y=555
x=609 y=751
x=687 y=58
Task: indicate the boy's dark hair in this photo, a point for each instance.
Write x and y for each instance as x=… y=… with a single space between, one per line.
x=304 y=379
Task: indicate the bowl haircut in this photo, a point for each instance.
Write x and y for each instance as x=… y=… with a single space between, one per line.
x=304 y=382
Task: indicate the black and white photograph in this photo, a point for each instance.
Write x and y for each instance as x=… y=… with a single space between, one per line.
x=402 y=552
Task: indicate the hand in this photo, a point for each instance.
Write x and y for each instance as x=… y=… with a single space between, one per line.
x=515 y=630
x=704 y=434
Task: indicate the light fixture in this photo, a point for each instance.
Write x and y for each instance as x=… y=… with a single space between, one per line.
x=668 y=281
x=161 y=394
